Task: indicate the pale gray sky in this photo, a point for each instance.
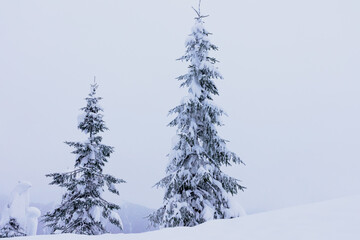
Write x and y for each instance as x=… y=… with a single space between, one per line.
x=291 y=90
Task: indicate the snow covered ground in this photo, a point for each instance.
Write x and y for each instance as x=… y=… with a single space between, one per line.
x=337 y=219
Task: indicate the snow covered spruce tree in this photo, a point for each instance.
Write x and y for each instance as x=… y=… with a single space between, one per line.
x=11 y=229
x=83 y=209
x=196 y=189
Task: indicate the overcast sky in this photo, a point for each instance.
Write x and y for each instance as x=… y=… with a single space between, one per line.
x=291 y=89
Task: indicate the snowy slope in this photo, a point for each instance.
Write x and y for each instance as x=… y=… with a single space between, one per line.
x=134 y=218
x=3 y=201
x=331 y=220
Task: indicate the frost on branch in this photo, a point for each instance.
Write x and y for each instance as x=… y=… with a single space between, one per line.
x=83 y=210
x=196 y=190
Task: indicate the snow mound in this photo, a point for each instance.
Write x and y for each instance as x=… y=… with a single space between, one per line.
x=18 y=208
x=330 y=220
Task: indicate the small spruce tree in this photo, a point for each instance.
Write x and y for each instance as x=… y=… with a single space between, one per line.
x=196 y=189
x=83 y=208
x=11 y=229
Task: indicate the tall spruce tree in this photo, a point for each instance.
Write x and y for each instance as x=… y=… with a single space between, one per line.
x=196 y=189
x=83 y=210
x=11 y=229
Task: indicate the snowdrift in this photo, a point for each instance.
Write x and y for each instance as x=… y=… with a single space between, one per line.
x=337 y=219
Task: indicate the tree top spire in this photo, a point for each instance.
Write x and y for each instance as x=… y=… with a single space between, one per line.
x=198 y=12
x=93 y=88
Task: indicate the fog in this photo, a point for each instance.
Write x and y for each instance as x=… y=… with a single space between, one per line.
x=291 y=91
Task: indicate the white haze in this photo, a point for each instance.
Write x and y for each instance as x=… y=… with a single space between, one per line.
x=291 y=90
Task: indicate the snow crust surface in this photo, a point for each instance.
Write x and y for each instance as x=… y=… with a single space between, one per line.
x=331 y=220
